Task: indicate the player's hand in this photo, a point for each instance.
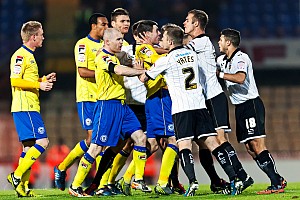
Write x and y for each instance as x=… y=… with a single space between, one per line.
x=46 y=86
x=138 y=64
x=144 y=39
x=51 y=77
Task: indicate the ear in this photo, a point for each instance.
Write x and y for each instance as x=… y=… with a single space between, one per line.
x=113 y=23
x=196 y=23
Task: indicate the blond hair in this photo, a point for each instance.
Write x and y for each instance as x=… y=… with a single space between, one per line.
x=29 y=28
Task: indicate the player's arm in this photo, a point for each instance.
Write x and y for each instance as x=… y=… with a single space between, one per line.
x=26 y=85
x=50 y=78
x=123 y=70
x=86 y=73
x=157 y=68
x=238 y=77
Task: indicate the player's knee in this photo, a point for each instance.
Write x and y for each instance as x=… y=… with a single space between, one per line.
x=139 y=138
x=43 y=142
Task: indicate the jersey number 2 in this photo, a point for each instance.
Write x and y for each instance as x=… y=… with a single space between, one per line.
x=188 y=81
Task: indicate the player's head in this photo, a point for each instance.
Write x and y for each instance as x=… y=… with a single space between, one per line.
x=120 y=20
x=172 y=35
x=186 y=39
x=229 y=38
x=113 y=40
x=149 y=29
x=32 y=31
x=134 y=30
x=98 y=23
x=196 y=19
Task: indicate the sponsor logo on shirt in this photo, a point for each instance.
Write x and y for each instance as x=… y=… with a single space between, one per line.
x=81 y=53
x=146 y=51
x=241 y=65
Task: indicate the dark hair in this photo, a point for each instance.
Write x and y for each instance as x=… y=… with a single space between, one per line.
x=232 y=35
x=134 y=27
x=200 y=16
x=118 y=11
x=94 y=17
x=145 y=26
x=175 y=33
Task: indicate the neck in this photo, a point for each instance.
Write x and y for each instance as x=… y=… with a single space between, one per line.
x=230 y=51
x=30 y=45
x=196 y=32
x=94 y=36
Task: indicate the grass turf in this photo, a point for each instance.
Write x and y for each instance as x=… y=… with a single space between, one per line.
x=291 y=192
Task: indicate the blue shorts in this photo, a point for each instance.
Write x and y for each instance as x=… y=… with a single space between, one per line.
x=113 y=121
x=29 y=125
x=86 y=114
x=158 y=115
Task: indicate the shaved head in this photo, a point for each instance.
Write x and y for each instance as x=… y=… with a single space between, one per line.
x=110 y=33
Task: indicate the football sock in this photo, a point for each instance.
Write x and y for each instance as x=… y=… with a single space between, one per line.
x=98 y=159
x=173 y=179
x=104 y=179
x=79 y=149
x=167 y=163
x=139 y=158
x=207 y=163
x=223 y=158
x=30 y=157
x=84 y=167
x=266 y=162
x=238 y=168
x=129 y=172
x=119 y=162
x=104 y=164
x=187 y=164
x=26 y=175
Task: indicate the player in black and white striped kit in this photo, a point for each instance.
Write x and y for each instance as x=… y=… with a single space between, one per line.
x=237 y=71
x=216 y=100
x=190 y=116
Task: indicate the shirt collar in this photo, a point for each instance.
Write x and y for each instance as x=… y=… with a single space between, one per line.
x=175 y=48
x=89 y=37
x=27 y=48
x=107 y=52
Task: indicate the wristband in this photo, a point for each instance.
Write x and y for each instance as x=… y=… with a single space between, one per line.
x=221 y=74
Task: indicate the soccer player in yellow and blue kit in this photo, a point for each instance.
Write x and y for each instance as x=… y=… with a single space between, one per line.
x=113 y=119
x=85 y=53
x=25 y=108
x=158 y=111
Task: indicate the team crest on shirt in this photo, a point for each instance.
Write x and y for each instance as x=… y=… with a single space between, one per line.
x=81 y=53
x=41 y=130
x=106 y=59
x=88 y=121
x=146 y=51
x=32 y=61
x=103 y=138
x=241 y=65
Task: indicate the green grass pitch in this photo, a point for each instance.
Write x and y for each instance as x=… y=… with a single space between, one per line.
x=291 y=192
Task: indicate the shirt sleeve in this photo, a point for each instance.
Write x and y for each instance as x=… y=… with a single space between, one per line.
x=239 y=65
x=157 y=68
x=17 y=66
x=81 y=52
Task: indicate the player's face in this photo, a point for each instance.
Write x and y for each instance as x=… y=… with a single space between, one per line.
x=38 y=38
x=188 y=24
x=102 y=25
x=222 y=44
x=122 y=23
x=116 y=42
x=164 y=43
x=154 y=35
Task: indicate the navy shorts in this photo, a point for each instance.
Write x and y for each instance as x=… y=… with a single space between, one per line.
x=250 y=120
x=193 y=124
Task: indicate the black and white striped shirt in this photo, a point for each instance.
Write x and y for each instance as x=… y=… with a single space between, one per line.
x=239 y=62
x=207 y=63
